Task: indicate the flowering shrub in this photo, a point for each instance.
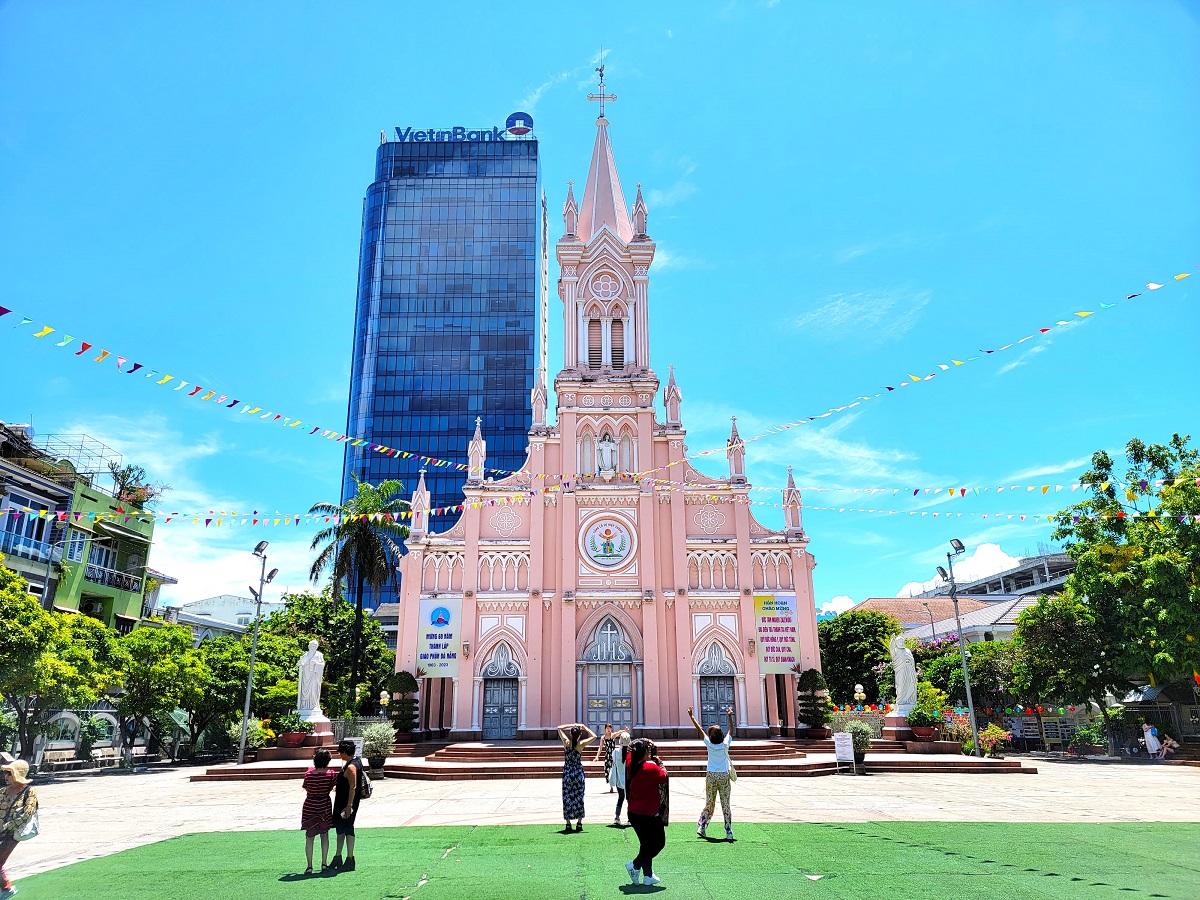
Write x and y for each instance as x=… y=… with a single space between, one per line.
x=994 y=738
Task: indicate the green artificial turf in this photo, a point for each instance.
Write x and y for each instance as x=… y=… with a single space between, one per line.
x=894 y=860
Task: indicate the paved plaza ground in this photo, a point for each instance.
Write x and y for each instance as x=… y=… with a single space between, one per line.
x=88 y=817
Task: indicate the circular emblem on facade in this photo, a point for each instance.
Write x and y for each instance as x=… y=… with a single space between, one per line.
x=606 y=287
x=626 y=400
x=519 y=123
x=709 y=519
x=440 y=617
x=606 y=401
x=588 y=400
x=505 y=521
x=608 y=543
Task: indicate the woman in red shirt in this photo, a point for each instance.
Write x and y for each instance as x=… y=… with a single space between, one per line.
x=643 y=776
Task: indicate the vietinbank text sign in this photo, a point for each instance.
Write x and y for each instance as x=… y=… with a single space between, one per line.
x=517 y=125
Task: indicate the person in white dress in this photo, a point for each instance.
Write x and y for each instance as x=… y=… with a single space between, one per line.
x=616 y=772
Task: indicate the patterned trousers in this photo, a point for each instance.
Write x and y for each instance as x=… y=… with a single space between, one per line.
x=716 y=783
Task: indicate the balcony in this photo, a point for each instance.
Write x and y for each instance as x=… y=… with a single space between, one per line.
x=122 y=581
x=27 y=548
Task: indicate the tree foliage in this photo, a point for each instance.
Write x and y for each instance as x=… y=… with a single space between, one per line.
x=331 y=620
x=48 y=660
x=852 y=645
x=1060 y=653
x=216 y=694
x=1140 y=573
x=363 y=544
x=159 y=669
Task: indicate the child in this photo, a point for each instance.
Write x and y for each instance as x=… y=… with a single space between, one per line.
x=317 y=815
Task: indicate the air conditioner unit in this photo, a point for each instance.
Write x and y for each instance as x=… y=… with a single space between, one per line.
x=92 y=607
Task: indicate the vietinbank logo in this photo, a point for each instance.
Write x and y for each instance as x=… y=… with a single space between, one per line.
x=518 y=124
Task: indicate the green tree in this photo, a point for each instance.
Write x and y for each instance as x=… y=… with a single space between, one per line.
x=991 y=666
x=1136 y=544
x=852 y=645
x=333 y=622
x=1060 y=655
x=159 y=668
x=362 y=544
x=217 y=694
x=48 y=660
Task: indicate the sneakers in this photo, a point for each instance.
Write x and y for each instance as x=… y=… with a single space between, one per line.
x=729 y=834
x=617 y=821
x=701 y=831
x=651 y=879
x=635 y=875
x=11 y=892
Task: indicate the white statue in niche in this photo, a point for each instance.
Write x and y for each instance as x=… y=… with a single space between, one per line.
x=606 y=455
x=312 y=669
x=906 y=676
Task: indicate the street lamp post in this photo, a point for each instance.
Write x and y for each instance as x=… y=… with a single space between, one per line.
x=932 y=627
x=263 y=580
x=959 y=550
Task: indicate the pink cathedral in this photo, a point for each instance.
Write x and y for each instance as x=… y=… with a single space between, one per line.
x=631 y=590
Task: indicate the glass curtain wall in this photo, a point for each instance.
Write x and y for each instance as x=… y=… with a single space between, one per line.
x=446 y=322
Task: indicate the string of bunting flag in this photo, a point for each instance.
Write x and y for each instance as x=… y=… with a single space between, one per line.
x=265 y=518
x=231 y=402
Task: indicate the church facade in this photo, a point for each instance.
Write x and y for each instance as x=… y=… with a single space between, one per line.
x=608 y=581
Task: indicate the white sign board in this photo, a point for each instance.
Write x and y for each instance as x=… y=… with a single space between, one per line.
x=843 y=746
x=439 y=638
x=358 y=744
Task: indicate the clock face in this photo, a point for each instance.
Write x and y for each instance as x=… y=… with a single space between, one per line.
x=608 y=543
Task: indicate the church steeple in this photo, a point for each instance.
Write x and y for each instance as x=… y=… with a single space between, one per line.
x=603 y=200
x=735 y=450
x=476 y=455
x=639 y=214
x=672 y=397
x=419 y=509
x=792 y=505
x=570 y=212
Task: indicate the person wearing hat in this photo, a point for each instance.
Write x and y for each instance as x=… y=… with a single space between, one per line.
x=18 y=804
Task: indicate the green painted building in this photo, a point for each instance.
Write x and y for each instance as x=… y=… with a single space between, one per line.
x=105 y=552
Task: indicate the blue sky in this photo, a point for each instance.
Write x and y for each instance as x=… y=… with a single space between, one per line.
x=841 y=194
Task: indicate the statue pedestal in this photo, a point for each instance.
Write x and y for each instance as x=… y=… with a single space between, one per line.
x=895 y=728
x=322 y=732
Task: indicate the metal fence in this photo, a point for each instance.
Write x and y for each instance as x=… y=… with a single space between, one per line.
x=874 y=719
x=344 y=728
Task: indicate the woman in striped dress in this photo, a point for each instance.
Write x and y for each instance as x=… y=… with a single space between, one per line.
x=575 y=738
x=316 y=818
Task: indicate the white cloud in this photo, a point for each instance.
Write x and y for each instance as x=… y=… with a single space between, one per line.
x=986 y=559
x=837 y=605
x=677 y=192
x=1045 y=342
x=1070 y=465
x=210 y=561
x=529 y=102
x=882 y=315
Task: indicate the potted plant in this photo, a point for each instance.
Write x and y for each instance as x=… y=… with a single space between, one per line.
x=378 y=740
x=924 y=723
x=814 y=706
x=404 y=710
x=291 y=730
x=861 y=734
x=1089 y=740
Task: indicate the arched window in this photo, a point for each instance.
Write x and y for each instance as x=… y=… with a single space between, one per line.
x=587 y=454
x=595 y=344
x=627 y=463
x=618 y=344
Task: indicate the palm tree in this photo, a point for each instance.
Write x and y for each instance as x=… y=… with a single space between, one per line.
x=364 y=543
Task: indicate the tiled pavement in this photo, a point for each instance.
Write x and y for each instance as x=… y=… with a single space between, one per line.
x=88 y=816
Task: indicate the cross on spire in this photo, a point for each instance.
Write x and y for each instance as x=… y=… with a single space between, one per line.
x=601 y=97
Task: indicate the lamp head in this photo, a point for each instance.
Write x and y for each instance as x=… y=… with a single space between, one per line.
x=957 y=545
x=271 y=575
x=261 y=548
x=942 y=572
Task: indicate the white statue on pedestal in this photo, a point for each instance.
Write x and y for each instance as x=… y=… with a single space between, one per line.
x=905 y=668
x=312 y=667
x=606 y=455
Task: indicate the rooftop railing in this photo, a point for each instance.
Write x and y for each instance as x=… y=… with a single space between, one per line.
x=122 y=581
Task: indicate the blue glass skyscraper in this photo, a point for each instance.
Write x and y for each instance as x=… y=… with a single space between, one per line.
x=447 y=318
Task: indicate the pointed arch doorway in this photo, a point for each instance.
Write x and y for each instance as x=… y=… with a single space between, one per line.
x=501 y=695
x=608 y=679
x=716 y=674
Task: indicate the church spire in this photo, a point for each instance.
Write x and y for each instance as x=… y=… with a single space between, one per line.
x=570 y=212
x=476 y=455
x=792 y=505
x=671 y=400
x=603 y=200
x=735 y=450
x=639 y=214
x=420 y=510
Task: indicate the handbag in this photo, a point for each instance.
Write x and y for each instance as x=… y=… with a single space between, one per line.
x=28 y=830
x=732 y=773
